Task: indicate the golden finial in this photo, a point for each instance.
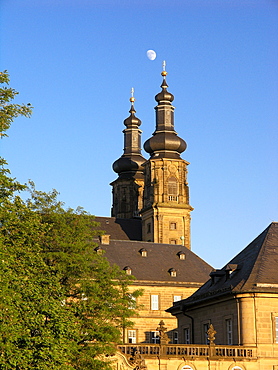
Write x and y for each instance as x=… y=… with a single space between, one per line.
x=132 y=99
x=163 y=73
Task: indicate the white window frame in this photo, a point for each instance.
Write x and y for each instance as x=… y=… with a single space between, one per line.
x=177 y=298
x=154 y=302
x=175 y=337
x=131 y=336
x=155 y=337
x=133 y=302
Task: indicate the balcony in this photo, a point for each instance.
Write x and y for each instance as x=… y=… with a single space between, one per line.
x=189 y=351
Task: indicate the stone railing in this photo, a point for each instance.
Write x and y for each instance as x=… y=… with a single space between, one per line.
x=188 y=350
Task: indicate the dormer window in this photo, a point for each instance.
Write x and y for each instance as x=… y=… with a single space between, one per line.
x=216 y=275
x=173 y=272
x=143 y=252
x=127 y=269
x=99 y=250
x=104 y=239
x=181 y=255
x=230 y=268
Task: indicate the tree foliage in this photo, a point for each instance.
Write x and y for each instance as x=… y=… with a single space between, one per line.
x=62 y=305
x=8 y=110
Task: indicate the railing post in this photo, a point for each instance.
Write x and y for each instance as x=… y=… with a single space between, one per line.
x=211 y=337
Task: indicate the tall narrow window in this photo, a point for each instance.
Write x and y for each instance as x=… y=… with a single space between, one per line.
x=229 y=331
x=131 y=334
x=276 y=329
x=155 y=337
x=186 y=333
x=132 y=303
x=154 y=302
x=205 y=332
x=172 y=189
x=175 y=337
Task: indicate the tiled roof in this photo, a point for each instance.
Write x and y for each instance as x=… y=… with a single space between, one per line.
x=254 y=269
x=121 y=229
x=159 y=260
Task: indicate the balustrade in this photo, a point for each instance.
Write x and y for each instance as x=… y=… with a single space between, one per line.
x=189 y=350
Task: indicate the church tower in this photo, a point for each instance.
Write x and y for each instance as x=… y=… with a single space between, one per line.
x=166 y=209
x=128 y=187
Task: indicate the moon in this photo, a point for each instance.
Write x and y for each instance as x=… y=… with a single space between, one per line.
x=151 y=54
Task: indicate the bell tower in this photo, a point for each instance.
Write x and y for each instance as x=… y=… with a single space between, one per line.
x=128 y=187
x=166 y=209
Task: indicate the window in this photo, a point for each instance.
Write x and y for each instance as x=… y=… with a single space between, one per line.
x=172 y=241
x=173 y=272
x=173 y=226
x=127 y=269
x=132 y=303
x=155 y=337
x=175 y=337
x=205 y=332
x=176 y=298
x=154 y=302
x=143 y=252
x=181 y=255
x=186 y=333
x=172 y=189
x=276 y=329
x=229 y=331
x=131 y=335
x=148 y=227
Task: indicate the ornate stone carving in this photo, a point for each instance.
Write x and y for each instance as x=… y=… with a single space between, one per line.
x=137 y=360
x=164 y=339
x=211 y=334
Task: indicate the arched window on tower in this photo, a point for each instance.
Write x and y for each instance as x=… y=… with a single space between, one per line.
x=172 y=189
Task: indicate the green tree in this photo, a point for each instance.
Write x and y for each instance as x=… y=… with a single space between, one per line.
x=8 y=110
x=97 y=293
x=36 y=330
x=62 y=305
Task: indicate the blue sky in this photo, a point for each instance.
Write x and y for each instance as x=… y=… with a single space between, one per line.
x=76 y=62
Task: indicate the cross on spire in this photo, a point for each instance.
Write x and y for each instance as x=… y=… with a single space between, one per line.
x=132 y=99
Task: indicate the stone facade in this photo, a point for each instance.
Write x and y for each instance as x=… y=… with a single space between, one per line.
x=156 y=298
x=166 y=211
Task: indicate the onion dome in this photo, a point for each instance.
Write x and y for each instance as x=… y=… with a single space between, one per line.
x=128 y=164
x=165 y=143
x=132 y=120
x=164 y=95
x=131 y=161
